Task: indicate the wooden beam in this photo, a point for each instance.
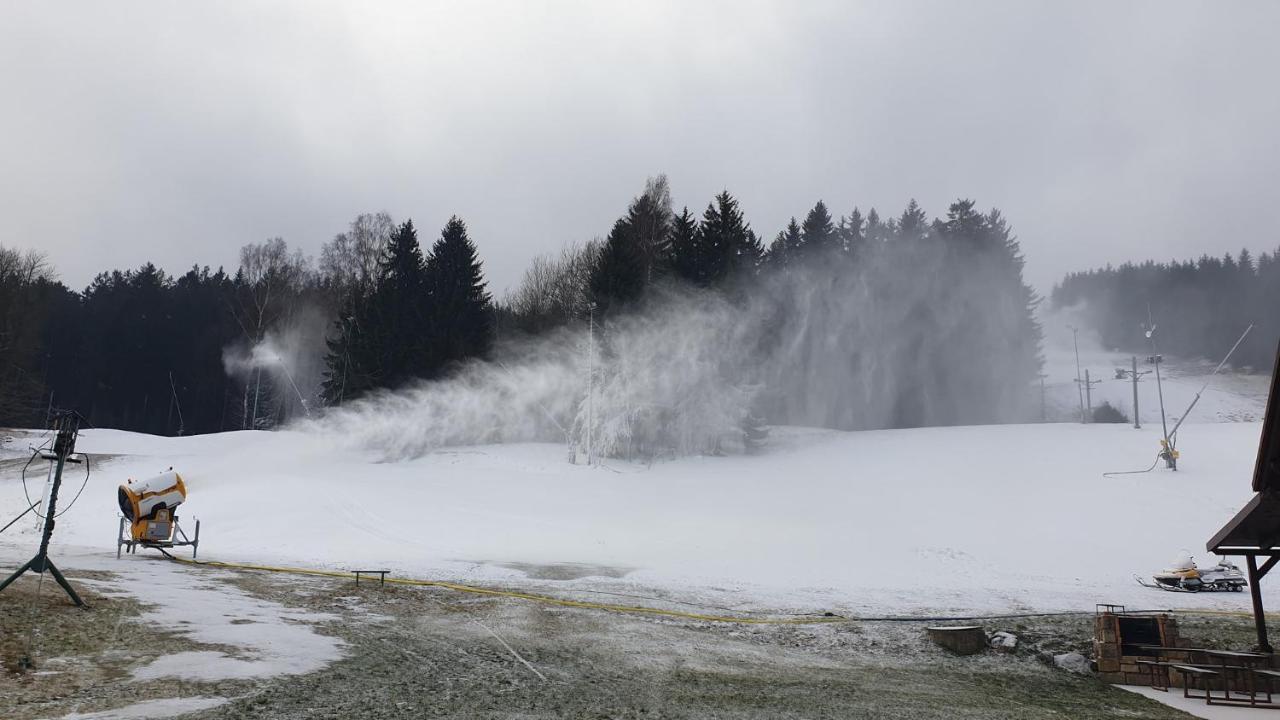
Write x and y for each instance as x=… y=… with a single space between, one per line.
x=1266 y=566
x=1259 y=619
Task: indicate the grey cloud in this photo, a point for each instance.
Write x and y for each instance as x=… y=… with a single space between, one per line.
x=178 y=132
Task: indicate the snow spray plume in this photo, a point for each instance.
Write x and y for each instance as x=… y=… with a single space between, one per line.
x=909 y=332
x=284 y=370
x=902 y=334
x=660 y=386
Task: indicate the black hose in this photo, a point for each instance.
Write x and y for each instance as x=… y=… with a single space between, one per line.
x=20 y=516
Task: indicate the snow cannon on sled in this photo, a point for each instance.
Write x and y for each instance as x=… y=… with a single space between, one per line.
x=147 y=511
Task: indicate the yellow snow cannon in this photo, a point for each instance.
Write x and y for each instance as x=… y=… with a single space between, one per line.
x=148 y=506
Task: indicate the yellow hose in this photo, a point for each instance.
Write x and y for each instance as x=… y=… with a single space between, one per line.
x=546 y=599
x=633 y=609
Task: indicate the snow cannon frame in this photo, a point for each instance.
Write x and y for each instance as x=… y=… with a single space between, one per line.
x=147 y=511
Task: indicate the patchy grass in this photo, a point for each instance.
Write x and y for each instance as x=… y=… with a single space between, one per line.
x=81 y=658
x=426 y=653
x=422 y=652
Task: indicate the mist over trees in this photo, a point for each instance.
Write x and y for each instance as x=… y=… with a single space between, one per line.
x=850 y=323
x=685 y=326
x=1200 y=307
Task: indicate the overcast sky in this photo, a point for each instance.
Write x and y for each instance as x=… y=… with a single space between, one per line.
x=177 y=132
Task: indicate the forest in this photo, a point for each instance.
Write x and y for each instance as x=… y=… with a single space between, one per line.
x=853 y=321
x=1199 y=308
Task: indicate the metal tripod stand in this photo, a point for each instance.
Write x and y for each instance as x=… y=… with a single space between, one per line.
x=68 y=425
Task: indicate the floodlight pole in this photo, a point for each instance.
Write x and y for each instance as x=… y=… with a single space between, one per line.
x=63 y=447
x=1088 y=394
x=1136 y=425
x=1075 y=340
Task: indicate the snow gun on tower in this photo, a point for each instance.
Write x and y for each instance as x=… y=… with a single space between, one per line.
x=147 y=509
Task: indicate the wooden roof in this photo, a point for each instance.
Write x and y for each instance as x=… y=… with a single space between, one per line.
x=1257 y=525
x=1266 y=473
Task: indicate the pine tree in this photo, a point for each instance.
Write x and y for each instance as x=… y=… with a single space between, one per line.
x=913 y=224
x=732 y=249
x=784 y=251
x=618 y=280
x=876 y=231
x=379 y=341
x=460 y=325
x=818 y=234
x=852 y=233
x=684 y=251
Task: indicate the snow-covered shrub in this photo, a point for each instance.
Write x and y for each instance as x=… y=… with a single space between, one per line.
x=1108 y=413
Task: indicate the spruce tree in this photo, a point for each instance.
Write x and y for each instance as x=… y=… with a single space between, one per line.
x=462 y=316
x=731 y=247
x=852 y=233
x=818 y=234
x=618 y=280
x=684 y=251
x=398 y=313
x=784 y=251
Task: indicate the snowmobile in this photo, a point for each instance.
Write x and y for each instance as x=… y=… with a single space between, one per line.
x=1184 y=576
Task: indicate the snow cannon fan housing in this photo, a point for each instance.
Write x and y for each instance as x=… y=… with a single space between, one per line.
x=149 y=504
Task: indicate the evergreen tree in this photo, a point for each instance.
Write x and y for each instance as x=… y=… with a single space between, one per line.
x=914 y=223
x=852 y=232
x=818 y=234
x=380 y=341
x=876 y=231
x=462 y=314
x=685 y=251
x=732 y=249
x=784 y=251
x=618 y=280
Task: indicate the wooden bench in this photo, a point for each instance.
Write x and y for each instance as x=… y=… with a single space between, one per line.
x=382 y=575
x=1199 y=673
x=1159 y=673
x=1267 y=676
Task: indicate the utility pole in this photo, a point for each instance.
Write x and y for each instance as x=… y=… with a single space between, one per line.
x=1134 y=376
x=1075 y=340
x=1136 y=425
x=1088 y=394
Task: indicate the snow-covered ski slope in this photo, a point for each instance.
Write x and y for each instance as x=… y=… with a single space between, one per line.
x=1231 y=396
x=966 y=518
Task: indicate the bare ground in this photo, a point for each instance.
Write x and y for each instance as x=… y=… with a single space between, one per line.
x=420 y=652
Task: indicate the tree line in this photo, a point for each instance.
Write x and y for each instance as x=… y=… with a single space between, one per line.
x=1198 y=307
x=853 y=321
x=212 y=350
